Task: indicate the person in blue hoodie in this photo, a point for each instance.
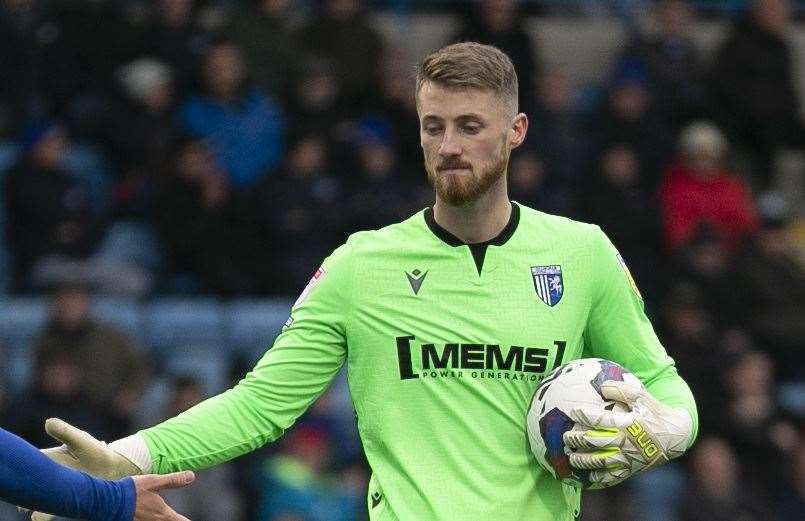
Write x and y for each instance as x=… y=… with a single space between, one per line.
x=245 y=129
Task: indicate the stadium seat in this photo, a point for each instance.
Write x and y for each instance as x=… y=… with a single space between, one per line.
x=21 y=320
x=209 y=364
x=172 y=322
x=252 y=325
x=18 y=367
x=122 y=313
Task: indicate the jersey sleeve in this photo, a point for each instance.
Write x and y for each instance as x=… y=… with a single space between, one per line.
x=619 y=330
x=304 y=359
x=31 y=480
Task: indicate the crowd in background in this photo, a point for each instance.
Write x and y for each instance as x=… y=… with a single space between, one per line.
x=224 y=148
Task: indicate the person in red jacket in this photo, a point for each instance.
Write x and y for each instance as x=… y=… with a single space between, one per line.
x=699 y=190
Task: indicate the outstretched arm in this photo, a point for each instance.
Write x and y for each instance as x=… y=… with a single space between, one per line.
x=30 y=479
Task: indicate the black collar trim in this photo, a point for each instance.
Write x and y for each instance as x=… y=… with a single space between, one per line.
x=501 y=239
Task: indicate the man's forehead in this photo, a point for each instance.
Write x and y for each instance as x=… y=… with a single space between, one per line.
x=448 y=102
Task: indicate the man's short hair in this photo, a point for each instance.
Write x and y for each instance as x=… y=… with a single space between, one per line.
x=471 y=65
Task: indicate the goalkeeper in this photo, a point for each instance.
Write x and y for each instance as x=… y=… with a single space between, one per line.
x=30 y=480
x=447 y=321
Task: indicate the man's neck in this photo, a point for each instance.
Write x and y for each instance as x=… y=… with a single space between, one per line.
x=479 y=221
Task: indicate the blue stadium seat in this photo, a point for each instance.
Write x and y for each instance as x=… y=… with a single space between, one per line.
x=18 y=366
x=21 y=320
x=209 y=364
x=123 y=313
x=252 y=325
x=172 y=322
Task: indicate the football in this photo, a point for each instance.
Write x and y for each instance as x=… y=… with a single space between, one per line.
x=577 y=383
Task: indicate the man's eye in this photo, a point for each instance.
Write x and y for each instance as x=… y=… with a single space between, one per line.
x=472 y=129
x=433 y=129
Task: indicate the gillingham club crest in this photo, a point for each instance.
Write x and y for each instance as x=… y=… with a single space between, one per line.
x=548 y=283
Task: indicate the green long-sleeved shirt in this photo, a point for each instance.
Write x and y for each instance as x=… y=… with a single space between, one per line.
x=444 y=344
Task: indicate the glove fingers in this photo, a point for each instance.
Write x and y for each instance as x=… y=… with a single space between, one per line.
x=73 y=437
x=601 y=418
x=609 y=458
x=592 y=439
x=622 y=392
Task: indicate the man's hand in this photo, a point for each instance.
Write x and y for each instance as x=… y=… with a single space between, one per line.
x=83 y=452
x=150 y=505
x=620 y=444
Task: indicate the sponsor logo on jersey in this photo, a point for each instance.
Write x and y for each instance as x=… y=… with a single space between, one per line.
x=548 y=283
x=473 y=360
x=415 y=279
x=629 y=277
x=317 y=275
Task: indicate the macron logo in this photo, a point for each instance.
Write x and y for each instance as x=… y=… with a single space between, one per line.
x=415 y=279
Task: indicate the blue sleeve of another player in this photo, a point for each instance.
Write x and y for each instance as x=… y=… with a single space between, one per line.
x=31 y=480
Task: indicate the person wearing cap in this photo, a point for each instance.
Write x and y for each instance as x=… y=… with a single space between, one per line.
x=699 y=189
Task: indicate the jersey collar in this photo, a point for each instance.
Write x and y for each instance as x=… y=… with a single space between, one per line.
x=501 y=238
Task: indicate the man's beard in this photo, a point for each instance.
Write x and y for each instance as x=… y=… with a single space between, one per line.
x=464 y=188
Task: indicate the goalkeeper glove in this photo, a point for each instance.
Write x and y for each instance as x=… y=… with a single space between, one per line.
x=620 y=444
x=83 y=452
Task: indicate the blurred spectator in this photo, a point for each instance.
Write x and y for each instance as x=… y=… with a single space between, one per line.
x=204 y=226
x=212 y=496
x=262 y=31
x=672 y=63
x=174 y=37
x=22 y=60
x=526 y=178
x=140 y=129
x=245 y=129
x=792 y=495
x=718 y=492
x=749 y=415
x=317 y=106
x=559 y=135
x=616 y=201
x=397 y=105
x=753 y=80
x=499 y=23
x=380 y=194
x=341 y=33
x=56 y=392
x=690 y=337
x=704 y=262
x=299 y=484
x=301 y=212
x=113 y=370
x=628 y=117
x=768 y=276
x=49 y=212
x=55 y=233
x=57 y=57
x=698 y=189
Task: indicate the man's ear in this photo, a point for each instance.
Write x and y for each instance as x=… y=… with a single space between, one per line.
x=518 y=130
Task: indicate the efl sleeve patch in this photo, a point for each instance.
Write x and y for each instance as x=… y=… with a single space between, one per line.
x=317 y=276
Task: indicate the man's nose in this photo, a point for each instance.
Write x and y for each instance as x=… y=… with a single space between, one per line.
x=450 y=145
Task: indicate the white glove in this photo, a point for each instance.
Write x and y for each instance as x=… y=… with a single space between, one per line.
x=83 y=452
x=620 y=444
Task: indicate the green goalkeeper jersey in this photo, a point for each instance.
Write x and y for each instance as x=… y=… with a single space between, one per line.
x=444 y=343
